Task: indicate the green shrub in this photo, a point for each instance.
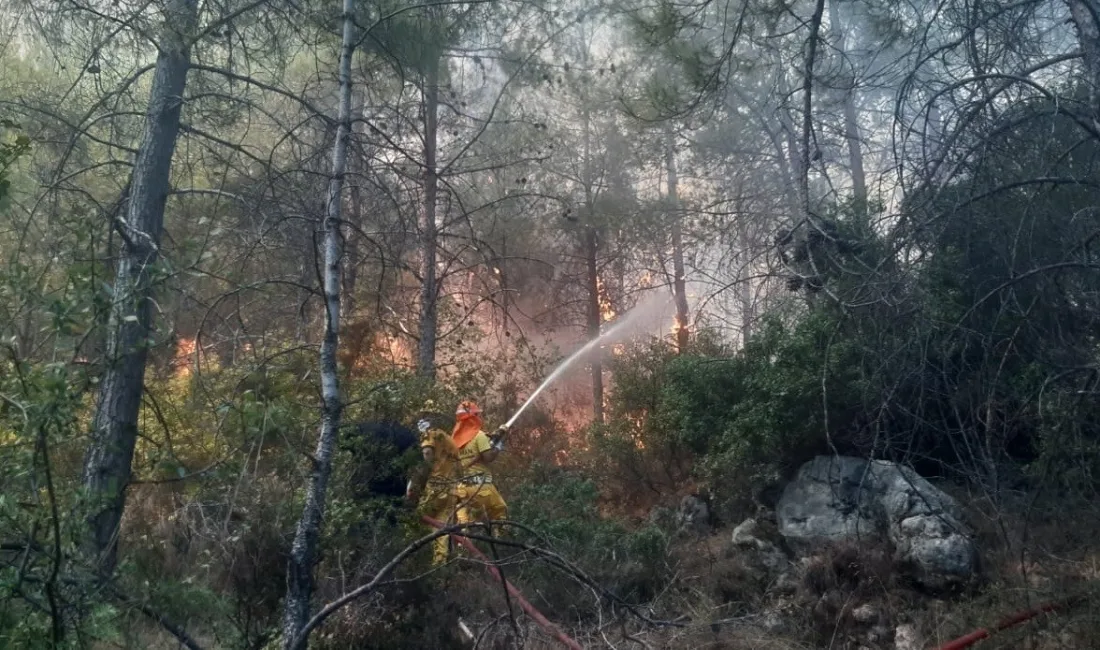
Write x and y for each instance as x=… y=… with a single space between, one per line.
x=735 y=420
x=561 y=507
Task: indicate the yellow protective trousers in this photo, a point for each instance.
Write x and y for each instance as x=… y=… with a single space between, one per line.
x=480 y=502
x=441 y=503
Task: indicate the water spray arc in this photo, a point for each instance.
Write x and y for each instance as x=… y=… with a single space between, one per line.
x=632 y=318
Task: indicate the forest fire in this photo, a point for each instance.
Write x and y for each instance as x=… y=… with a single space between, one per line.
x=573 y=418
x=834 y=282
x=607 y=312
x=184 y=357
x=395 y=347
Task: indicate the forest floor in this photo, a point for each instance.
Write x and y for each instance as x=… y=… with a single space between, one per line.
x=847 y=597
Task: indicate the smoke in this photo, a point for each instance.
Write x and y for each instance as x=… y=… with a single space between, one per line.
x=651 y=316
x=647 y=317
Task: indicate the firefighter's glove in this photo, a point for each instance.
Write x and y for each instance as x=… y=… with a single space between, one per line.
x=497 y=439
x=412 y=495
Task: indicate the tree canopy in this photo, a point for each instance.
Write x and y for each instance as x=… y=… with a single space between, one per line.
x=232 y=231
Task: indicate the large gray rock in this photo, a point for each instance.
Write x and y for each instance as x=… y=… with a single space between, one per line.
x=835 y=498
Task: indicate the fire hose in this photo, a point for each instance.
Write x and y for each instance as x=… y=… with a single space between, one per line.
x=1019 y=617
x=535 y=614
x=960 y=643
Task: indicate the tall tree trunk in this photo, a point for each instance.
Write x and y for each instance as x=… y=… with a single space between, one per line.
x=745 y=288
x=509 y=397
x=788 y=150
x=784 y=156
x=357 y=166
x=351 y=246
x=934 y=139
x=107 y=462
x=429 y=291
x=851 y=114
x=679 y=284
x=785 y=141
x=303 y=553
x=593 y=315
x=855 y=150
x=807 y=112
x=1086 y=18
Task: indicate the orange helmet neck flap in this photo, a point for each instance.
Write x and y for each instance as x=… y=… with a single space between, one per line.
x=468 y=423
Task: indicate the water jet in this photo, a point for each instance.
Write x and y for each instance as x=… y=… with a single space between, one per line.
x=619 y=327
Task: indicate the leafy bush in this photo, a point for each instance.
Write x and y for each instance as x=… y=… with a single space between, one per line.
x=737 y=420
x=561 y=508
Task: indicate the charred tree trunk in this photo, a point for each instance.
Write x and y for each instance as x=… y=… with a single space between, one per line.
x=303 y=553
x=107 y=462
x=679 y=283
x=785 y=141
x=429 y=291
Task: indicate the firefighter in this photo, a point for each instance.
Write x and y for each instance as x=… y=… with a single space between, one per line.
x=435 y=487
x=476 y=494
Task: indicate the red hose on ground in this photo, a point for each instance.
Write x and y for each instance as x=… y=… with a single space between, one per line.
x=543 y=622
x=1015 y=619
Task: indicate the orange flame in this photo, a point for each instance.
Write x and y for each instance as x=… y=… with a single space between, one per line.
x=398 y=349
x=383 y=350
x=607 y=312
x=183 y=359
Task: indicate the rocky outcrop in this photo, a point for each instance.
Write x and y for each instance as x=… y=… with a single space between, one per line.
x=761 y=552
x=835 y=498
x=694 y=515
x=906 y=637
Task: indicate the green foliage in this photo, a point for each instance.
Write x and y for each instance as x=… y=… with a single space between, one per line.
x=418 y=37
x=562 y=508
x=736 y=420
x=962 y=330
x=23 y=627
x=43 y=409
x=12 y=148
x=43 y=406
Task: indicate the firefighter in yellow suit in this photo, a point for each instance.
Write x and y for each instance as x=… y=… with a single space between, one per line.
x=477 y=495
x=436 y=487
